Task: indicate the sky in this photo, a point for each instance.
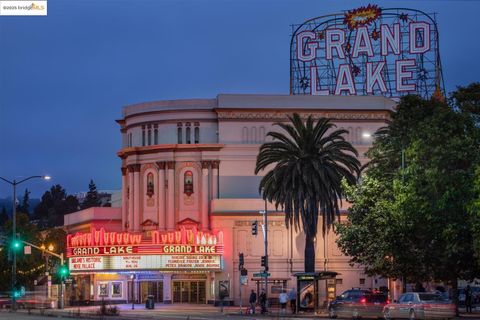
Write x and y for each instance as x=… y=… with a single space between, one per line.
x=64 y=78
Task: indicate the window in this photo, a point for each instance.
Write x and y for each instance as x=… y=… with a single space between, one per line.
x=116 y=289
x=130 y=139
x=143 y=135
x=150 y=185
x=179 y=135
x=149 y=135
x=188 y=183
x=187 y=135
x=155 y=134
x=197 y=134
x=362 y=281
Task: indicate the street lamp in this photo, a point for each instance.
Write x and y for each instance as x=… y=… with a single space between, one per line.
x=14 y=184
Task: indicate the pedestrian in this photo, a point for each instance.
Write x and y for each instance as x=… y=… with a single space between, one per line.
x=292 y=297
x=263 y=302
x=252 y=300
x=468 y=299
x=222 y=296
x=283 y=298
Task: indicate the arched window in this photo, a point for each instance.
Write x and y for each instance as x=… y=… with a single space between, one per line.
x=197 y=134
x=179 y=135
x=254 y=135
x=188 y=183
x=155 y=136
x=143 y=135
x=187 y=135
x=245 y=135
x=150 y=185
x=149 y=136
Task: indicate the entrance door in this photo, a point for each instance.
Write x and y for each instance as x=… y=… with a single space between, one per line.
x=189 y=291
x=154 y=288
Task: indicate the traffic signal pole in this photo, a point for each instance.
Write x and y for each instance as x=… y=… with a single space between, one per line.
x=62 y=276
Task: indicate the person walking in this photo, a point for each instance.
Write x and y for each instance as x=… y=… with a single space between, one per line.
x=252 y=300
x=263 y=302
x=292 y=297
x=468 y=299
x=283 y=298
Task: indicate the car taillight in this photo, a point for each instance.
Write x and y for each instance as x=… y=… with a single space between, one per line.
x=388 y=301
x=363 y=300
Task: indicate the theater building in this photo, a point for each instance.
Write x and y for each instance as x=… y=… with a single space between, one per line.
x=190 y=195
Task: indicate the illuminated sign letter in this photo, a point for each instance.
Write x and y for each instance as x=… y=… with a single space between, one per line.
x=344 y=80
x=362 y=43
x=419 y=37
x=334 y=39
x=375 y=76
x=401 y=74
x=389 y=38
x=304 y=43
x=314 y=90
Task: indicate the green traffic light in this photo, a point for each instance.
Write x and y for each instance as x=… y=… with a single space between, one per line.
x=63 y=271
x=16 y=244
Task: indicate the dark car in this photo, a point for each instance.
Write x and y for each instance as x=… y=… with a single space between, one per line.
x=357 y=303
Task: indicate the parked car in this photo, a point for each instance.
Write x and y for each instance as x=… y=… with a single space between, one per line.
x=358 y=303
x=420 y=305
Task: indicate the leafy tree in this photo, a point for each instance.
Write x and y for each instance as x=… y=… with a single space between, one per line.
x=54 y=205
x=25 y=205
x=92 y=199
x=3 y=216
x=413 y=221
x=309 y=163
x=467 y=100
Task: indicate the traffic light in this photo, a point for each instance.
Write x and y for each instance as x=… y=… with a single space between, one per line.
x=18 y=290
x=255 y=227
x=16 y=245
x=265 y=262
x=241 y=261
x=63 y=271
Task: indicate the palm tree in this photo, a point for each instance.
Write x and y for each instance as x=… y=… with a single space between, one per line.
x=310 y=161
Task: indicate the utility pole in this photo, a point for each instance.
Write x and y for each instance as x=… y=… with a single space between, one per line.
x=265 y=236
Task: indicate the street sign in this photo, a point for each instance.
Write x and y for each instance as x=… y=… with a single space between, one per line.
x=261 y=275
x=27 y=250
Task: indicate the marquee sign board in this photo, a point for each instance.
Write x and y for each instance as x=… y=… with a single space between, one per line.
x=366 y=51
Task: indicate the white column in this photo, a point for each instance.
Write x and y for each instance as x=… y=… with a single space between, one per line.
x=215 y=165
x=124 y=197
x=171 y=196
x=167 y=288
x=136 y=197
x=130 y=199
x=205 y=177
x=161 y=195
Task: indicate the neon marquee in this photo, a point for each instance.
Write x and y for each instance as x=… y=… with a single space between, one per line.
x=368 y=51
x=183 y=241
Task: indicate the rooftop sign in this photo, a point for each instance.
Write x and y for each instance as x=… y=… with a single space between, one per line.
x=366 y=51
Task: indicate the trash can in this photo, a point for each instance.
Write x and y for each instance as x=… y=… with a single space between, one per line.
x=149 y=303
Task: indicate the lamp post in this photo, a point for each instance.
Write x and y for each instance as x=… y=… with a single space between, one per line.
x=14 y=184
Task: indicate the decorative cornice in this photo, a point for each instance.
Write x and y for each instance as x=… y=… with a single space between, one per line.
x=171 y=165
x=283 y=115
x=206 y=164
x=215 y=164
x=160 y=165
x=125 y=152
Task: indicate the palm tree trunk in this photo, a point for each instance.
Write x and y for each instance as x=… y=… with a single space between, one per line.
x=309 y=253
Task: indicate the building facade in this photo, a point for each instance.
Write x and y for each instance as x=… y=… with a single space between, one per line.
x=190 y=195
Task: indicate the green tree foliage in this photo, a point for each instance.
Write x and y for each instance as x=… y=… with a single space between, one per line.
x=467 y=100
x=25 y=205
x=54 y=205
x=413 y=222
x=3 y=216
x=92 y=199
x=309 y=161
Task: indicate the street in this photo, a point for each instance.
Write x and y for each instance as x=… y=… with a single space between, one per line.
x=185 y=311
